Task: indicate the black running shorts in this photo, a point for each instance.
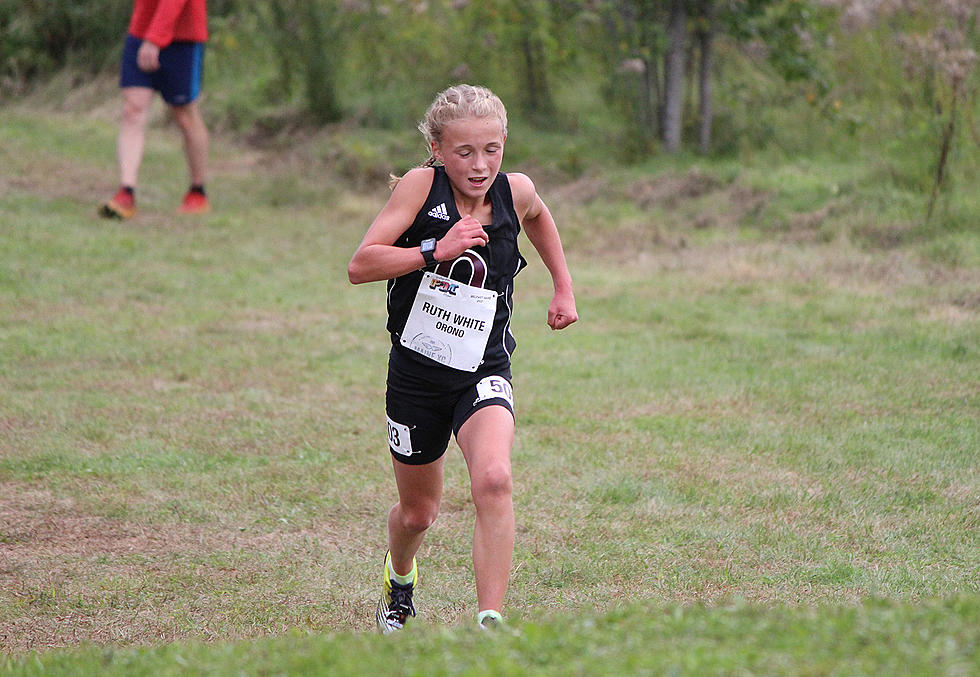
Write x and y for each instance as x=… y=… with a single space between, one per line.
x=425 y=405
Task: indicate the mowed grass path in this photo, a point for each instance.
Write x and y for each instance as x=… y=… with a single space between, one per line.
x=192 y=431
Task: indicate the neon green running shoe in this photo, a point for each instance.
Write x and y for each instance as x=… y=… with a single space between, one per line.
x=395 y=605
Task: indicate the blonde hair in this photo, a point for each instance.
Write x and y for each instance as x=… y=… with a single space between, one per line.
x=456 y=103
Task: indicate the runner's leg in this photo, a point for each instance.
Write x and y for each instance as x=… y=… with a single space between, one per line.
x=419 y=496
x=486 y=440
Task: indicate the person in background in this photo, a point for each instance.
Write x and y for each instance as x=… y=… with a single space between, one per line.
x=446 y=242
x=164 y=52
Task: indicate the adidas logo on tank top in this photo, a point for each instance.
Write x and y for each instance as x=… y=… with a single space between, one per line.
x=439 y=212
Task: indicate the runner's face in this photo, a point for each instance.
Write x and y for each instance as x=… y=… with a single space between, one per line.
x=472 y=150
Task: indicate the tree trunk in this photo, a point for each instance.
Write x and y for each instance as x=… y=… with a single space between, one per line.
x=320 y=47
x=706 y=38
x=674 y=76
x=651 y=69
x=946 y=143
x=651 y=94
x=537 y=91
x=535 y=83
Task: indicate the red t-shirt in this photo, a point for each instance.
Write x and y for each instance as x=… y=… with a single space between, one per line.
x=164 y=21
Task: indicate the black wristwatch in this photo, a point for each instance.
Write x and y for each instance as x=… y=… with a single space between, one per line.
x=428 y=249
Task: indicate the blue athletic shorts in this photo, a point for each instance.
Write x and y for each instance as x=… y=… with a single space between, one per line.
x=426 y=404
x=179 y=77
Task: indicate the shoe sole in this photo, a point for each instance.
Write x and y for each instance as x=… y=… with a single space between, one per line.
x=382 y=614
x=110 y=210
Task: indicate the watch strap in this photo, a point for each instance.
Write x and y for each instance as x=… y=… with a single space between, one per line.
x=428 y=253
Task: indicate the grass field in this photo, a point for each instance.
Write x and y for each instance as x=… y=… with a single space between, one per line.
x=757 y=453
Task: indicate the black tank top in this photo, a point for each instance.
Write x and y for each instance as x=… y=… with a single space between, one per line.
x=489 y=267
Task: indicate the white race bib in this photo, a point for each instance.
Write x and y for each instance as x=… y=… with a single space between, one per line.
x=400 y=438
x=493 y=388
x=450 y=322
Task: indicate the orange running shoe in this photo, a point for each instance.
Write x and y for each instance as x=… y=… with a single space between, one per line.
x=121 y=206
x=195 y=202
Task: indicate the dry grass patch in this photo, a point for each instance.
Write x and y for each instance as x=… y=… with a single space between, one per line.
x=71 y=574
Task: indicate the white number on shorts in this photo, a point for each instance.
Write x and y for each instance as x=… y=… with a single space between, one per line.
x=399 y=438
x=494 y=387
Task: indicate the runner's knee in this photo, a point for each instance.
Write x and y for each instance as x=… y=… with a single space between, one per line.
x=418 y=517
x=492 y=483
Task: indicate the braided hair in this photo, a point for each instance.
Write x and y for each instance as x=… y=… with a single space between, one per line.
x=456 y=103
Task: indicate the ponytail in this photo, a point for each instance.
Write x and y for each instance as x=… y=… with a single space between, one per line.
x=393 y=179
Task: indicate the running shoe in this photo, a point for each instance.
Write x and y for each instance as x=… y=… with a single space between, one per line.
x=195 y=202
x=395 y=605
x=121 y=206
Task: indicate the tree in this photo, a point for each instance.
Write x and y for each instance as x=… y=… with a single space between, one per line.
x=531 y=38
x=305 y=36
x=321 y=52
x=674 y=75
x=633 y=33
x=656 y=38
x=705 y=36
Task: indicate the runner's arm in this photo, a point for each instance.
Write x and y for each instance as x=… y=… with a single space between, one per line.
x=542 y=231
x=377 y=257
x=161 y=29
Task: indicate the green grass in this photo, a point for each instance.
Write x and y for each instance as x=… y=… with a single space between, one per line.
x=755 y=454
x=874 y=638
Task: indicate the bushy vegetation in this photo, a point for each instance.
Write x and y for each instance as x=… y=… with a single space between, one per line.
x=893 y=79
x=39 y=38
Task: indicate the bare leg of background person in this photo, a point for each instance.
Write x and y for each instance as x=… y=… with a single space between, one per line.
x=132 y=132
x=195 y=132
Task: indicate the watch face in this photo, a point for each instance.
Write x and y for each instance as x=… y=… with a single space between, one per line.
x=429 y=245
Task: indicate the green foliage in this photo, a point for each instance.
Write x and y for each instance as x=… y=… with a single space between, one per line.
x=791 y=77
x=634 y=35
x=37 y=38
x=509 y=46
x=403 y=54
x=917 y=70
x=321 y=47
x=793 y=33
